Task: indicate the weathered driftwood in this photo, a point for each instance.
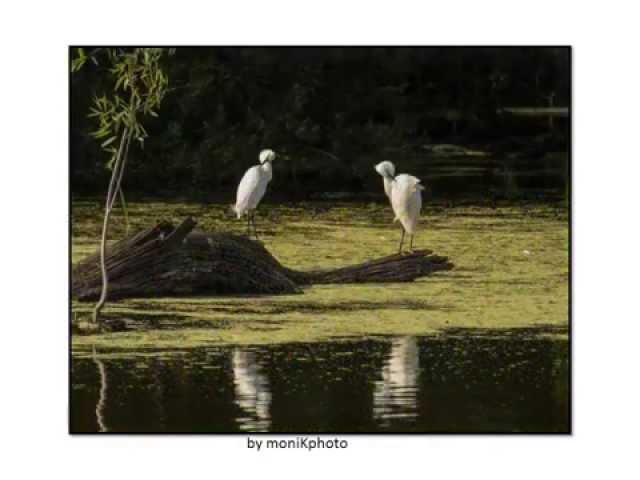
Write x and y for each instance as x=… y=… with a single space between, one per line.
x=164 y=261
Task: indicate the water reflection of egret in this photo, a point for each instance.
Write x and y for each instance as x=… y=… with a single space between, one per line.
x=252 y=391
x=394 y=396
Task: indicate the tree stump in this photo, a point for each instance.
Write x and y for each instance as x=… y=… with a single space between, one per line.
x=168 y=261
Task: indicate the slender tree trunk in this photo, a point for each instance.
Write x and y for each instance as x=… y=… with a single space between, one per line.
x=125 y=155
x=124 y=209
x=114 y=186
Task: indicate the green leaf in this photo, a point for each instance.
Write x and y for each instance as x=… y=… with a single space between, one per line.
x=118 y=83
x=103 y=132
x=111 y=161
x=108 y=141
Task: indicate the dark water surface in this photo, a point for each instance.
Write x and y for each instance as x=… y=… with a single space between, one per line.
x=462 y=381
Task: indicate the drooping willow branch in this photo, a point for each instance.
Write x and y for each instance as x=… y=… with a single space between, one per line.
x=137 y=72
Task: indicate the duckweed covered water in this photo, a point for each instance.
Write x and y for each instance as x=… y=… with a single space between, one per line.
x=511 y=270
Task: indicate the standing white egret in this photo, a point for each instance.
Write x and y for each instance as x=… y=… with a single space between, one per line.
x=404 y=192
x=252 y=187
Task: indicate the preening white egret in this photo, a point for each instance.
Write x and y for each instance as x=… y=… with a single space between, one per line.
x=405 y=193
x=252 y=187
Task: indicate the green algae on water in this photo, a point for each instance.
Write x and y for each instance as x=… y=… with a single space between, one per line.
x=511 y=271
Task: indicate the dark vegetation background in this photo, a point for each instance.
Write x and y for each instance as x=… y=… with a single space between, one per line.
x=331 y=113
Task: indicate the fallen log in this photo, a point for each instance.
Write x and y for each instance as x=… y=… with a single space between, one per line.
x=165 y=260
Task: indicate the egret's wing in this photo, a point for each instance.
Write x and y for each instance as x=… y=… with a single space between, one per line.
x=415 y=202
x=406 y=199
x=246 y=190
x=401 y=193
x=414 y=183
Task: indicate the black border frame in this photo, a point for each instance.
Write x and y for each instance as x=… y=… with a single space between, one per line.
x=569 y=432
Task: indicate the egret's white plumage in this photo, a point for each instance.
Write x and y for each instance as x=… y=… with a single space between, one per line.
x=405 y=194
x=253 y=186
x=388 y=172
x=406 y=201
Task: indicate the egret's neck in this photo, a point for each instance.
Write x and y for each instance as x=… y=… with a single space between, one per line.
x=387 y=185
x=266 y=168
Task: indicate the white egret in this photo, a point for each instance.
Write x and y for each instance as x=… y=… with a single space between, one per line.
x=404 y=192
x=252 y=187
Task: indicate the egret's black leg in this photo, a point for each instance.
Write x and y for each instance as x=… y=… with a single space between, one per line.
x=248 y=222
x=255 y=230
x=411 y=244
x=401 y=242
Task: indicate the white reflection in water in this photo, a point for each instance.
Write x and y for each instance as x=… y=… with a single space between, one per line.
x=394 y=396
x=102 y=398
x=252 y=392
